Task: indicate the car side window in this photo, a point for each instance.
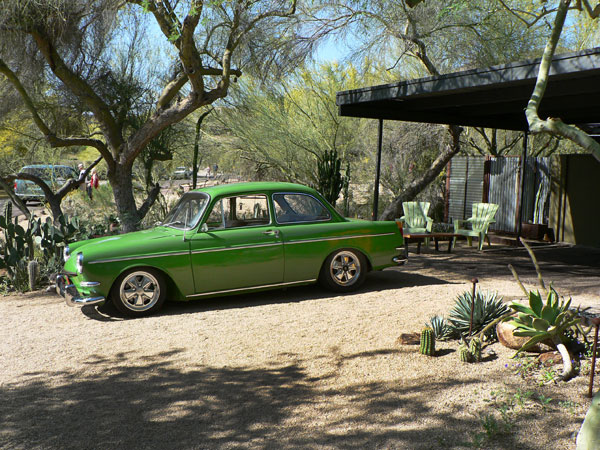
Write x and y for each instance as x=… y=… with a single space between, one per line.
x=239 y=211
x=290 y=208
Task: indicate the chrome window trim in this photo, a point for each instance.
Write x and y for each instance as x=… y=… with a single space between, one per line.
x=200 y=217
x=299 y=221
x=289 y=283
x=335 y=238
x=245 y=226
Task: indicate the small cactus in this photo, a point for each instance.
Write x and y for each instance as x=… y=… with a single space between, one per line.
x=33 y=270
x=475 y=349
x=464 y=353
x=427 y=342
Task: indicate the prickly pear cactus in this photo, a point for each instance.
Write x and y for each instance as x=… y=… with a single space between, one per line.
x=463 y=352
x=427 y=342
x=33 y=270
x=475 y=349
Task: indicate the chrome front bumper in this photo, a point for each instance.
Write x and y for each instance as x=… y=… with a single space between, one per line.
x=69 y=292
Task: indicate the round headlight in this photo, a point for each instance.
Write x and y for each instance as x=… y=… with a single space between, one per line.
x=66 y=253
x=79 y=263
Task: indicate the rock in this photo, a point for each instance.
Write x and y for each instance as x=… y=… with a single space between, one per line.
x=409 y=339
x=549 y=359
x=504 y=330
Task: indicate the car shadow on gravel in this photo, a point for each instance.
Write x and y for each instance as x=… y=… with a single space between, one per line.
x=135 y=402
x=375 y=282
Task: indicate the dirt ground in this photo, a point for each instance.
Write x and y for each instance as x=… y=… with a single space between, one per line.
x=296 y=368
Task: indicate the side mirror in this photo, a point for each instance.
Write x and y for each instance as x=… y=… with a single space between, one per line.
x=204 y=228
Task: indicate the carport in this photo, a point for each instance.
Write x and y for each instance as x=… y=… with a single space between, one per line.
x=491 y=97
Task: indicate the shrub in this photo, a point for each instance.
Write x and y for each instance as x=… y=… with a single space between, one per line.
x=488 y=307
x=441 y=329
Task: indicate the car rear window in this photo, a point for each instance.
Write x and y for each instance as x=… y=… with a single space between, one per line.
x=290 y=208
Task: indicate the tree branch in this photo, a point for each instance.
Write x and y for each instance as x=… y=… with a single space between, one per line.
x=15 y=198
x=555 y=125
x=81 y=89
x=52 y=139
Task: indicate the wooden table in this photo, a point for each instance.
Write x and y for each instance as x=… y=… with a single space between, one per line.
x=437 y=237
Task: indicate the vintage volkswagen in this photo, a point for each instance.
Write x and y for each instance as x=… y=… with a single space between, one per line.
x=229 y=239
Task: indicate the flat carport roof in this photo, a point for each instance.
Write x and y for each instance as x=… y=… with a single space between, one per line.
x=492 y=97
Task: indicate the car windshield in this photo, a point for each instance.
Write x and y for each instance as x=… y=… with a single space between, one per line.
x=187 y=212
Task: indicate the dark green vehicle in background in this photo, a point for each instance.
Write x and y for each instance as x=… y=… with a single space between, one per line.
x=229 y=239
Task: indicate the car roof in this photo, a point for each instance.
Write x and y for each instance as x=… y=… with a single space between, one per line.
x=44 y=166
x=255 y=186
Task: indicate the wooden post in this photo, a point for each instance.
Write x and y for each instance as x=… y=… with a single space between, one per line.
x=377 y=171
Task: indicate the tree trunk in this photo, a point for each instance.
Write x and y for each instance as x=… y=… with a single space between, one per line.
x=121 y=181
x=394 y=209
x=55 y=209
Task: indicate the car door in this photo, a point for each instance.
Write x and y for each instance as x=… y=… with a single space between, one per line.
x=237 y=248
x=308 y=232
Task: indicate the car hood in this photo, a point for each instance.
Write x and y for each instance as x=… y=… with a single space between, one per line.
x=144 y=242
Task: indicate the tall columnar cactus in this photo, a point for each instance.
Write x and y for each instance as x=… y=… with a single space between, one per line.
x=33 y=270
x=8 y=210
x=427 y=342
x=475 y=349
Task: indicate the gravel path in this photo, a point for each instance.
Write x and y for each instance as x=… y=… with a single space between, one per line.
x=286 y=369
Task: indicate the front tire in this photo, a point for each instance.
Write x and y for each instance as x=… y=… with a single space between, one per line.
x=139 y=292
x=344 y=270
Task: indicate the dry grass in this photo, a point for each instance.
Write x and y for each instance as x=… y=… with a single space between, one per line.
x=285 y=369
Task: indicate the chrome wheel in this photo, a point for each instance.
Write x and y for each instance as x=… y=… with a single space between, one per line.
x=345 y=268
x=139 y=291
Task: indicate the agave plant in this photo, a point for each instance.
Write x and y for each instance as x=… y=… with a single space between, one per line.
x=547 y=321
x=441 y=329
x=488 y=306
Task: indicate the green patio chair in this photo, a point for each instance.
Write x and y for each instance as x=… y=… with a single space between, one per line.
x=482 y=216
x=415 y=219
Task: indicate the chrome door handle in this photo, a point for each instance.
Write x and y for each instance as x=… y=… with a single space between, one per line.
x=272 y=233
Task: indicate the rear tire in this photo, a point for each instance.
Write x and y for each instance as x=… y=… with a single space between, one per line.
x=139 y=292
x=344 y=270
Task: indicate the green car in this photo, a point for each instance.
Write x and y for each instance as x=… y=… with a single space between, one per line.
x=229 y=239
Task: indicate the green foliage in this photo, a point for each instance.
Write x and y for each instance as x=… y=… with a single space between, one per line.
x=32 y=254
x=541 y=321
x=488 y=307
x=18 y=246
x=427 y=342
x=441 y=329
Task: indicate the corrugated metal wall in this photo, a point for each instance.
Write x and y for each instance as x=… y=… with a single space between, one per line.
x=467 y=187
x=504 y=191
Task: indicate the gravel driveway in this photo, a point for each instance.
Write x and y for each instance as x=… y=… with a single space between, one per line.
x=286 y=369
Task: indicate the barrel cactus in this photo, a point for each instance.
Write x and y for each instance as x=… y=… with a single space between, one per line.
x=463 y=352
x=427 y=342
x=475 y=349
